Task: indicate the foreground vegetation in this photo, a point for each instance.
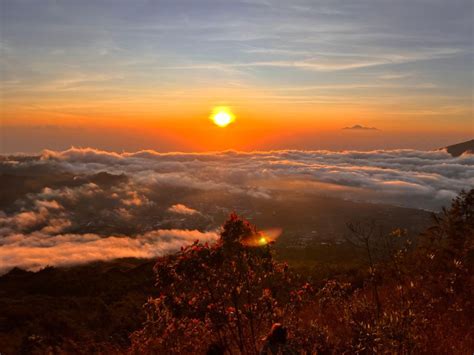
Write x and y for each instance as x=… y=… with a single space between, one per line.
x=412 y=299
x=388 y=294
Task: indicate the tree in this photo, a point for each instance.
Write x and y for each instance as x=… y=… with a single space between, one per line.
x=229 y=293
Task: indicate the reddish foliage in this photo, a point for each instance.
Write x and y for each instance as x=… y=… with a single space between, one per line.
x=230 y=293
x=227 y=293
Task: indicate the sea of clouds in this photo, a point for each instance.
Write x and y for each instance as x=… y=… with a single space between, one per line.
x=35 y=232
x=411 y=178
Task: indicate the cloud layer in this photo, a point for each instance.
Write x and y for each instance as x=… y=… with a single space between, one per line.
x=37 y=250
x=433 y=175
x=425 y=179
x=114 y=205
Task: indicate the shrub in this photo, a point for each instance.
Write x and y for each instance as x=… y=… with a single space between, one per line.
x=414 y=300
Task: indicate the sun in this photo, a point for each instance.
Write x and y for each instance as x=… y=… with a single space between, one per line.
x=222 y=119
x=222 y=116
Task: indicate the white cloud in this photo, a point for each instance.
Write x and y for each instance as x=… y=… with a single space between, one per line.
x=25 y=219
x=37 y=250
x=40 y=231
x=389 y=176
x=56 y=225
x=182 y=209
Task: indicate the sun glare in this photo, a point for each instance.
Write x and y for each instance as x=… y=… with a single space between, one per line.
x=222 y=117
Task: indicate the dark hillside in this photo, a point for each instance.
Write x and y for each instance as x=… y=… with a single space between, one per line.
x=90 y=305
x=458 y=149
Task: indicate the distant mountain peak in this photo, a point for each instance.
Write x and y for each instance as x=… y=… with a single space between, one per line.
x=459 y=149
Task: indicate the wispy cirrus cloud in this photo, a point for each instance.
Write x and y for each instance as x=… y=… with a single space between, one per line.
x=329 y=62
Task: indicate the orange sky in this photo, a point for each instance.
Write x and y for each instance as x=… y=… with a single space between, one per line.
x=148 y=76
x=259 y=124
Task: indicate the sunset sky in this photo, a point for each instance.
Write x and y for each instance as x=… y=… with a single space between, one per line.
x=131 y=75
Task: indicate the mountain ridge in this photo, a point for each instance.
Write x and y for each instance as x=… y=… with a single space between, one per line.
x=459 y=149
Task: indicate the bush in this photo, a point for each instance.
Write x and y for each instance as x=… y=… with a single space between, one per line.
x=414 y=300
x=228 y=293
